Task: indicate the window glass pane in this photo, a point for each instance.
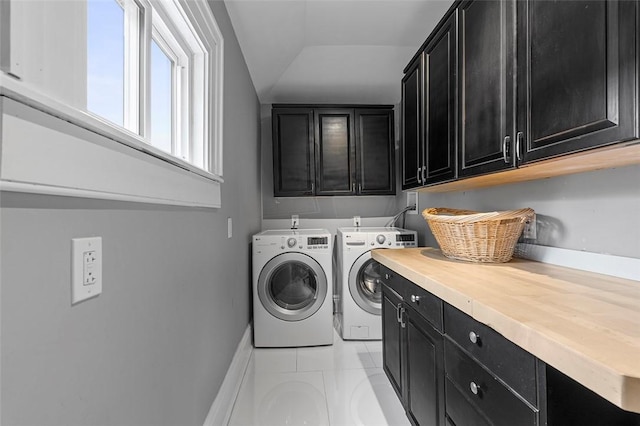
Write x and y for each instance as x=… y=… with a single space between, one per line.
x=161 y=98
x=105 y=59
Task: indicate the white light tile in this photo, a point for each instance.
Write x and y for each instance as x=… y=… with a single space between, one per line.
x=267 y=398
x=362 y=397
x=341 y=356
x=375 y=350
x=275 y=360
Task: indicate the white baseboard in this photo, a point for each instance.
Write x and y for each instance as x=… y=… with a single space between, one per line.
x=617 y=266
x=220 y=411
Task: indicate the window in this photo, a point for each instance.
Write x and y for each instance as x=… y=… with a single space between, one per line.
x=146 y=74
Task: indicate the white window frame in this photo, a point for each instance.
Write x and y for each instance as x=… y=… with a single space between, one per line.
x=202 y=133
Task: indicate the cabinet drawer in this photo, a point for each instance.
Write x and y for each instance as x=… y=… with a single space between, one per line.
x=461 y=412
x=485 y=392
x=390 y=280
x=515 y=366
x=425 y=303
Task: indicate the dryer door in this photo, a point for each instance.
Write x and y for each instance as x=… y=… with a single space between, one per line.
x=365 y=285
x=292 y=286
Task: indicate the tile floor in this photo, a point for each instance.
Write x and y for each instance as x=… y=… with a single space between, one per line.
x=338 y=385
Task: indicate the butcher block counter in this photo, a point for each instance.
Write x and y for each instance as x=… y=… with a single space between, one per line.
x=585 y=325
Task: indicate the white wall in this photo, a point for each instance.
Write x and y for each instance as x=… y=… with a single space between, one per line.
x=154 y=347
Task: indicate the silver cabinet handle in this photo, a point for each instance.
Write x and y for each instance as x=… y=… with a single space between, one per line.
x=505 y=147
x=419 y=175
x=519 y=140
x=415 y=299
x=474 y=337
x=359 y=188
x=402 y=323
x=399 y=313
x=313 y=188
x=424 y=175
x=353 y=187
x=475 y=389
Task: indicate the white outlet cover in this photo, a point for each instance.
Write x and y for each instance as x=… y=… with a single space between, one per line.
x=86 y=268
x=412 y=200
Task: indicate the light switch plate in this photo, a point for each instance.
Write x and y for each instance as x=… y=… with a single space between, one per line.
x=86 y=268
x=229 y=227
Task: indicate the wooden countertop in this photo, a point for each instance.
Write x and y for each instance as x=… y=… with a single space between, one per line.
x=584 y=324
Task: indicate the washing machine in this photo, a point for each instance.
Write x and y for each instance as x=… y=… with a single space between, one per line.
x=357 y=279
x=292 y=288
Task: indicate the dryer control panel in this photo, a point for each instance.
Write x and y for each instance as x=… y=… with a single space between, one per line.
x=381 y=238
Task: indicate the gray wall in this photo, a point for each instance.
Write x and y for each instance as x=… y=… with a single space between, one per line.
x=594 y=212
x=154 y=347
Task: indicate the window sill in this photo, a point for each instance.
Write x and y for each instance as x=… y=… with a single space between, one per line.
x=50 y=148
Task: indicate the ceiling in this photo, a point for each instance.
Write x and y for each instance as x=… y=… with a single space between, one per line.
x=331 y=51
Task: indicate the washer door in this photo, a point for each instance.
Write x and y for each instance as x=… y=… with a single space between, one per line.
x=365 y=285
x=292 y=286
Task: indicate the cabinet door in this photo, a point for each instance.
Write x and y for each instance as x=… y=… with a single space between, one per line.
x=392 y=339
x=375 y=152
x=412 y=158
x=440 y=96
x=425 y=372
x=576 y=78
x=335 y=152
x=293 y=152
x=486 y=64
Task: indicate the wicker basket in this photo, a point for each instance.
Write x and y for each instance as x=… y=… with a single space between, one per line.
x=477 y=237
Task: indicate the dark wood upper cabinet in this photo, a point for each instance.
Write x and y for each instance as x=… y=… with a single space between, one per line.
x=577 y=83
x=293 y=152
x=375 y=161
x=429 y=111
x=534 y=80
x=440 y=104
x=333 y=150
x=412 y=148
x=486 y=84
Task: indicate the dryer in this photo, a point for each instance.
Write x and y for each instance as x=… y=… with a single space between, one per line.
x=292 y=288
x=357 y=279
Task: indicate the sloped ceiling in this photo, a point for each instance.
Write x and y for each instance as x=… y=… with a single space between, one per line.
x=331 y=51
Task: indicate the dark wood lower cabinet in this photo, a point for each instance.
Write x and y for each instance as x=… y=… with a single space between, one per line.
x=412 y=354
x=425 y=373
x=449 y=369
x=391 y=335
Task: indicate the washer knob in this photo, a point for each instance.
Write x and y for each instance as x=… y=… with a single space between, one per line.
x=291 y=242
x=380 y=239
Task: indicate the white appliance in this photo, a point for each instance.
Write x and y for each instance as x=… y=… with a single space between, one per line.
x=292 y=288
x=357 y=279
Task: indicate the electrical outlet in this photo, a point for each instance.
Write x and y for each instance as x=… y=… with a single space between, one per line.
x=295 y=221
x=412 y=200
x=86 y=268
x=356 y=221
x=529 y=232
